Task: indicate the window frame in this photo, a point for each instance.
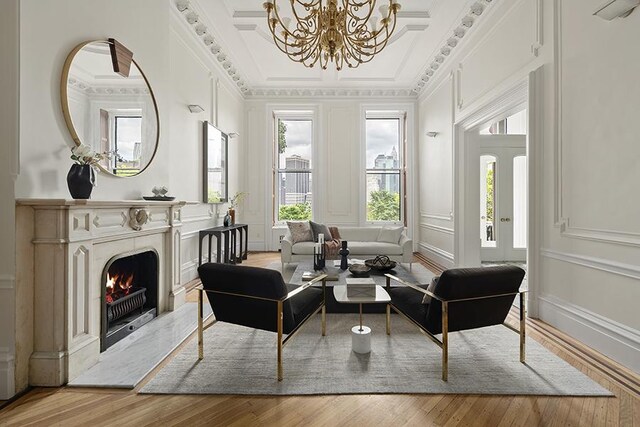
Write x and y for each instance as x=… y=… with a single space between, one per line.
x=401 y=170
x=117 y=116
x=292 y=115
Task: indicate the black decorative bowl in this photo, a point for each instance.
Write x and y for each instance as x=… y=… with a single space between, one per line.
x=359 y=270
x=380 y=263
x=159 y=198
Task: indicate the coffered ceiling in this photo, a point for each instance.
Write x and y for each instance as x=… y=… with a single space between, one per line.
x=426 y=31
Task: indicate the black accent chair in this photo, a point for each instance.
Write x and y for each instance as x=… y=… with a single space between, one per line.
x=461 y=299
x=258 y=298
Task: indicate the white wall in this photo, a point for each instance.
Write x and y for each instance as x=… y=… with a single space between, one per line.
x=9 y=134
x=338 y=164
x=181 y=72
x=590 y=240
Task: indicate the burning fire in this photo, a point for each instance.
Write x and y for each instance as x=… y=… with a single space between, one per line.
x=118 y=286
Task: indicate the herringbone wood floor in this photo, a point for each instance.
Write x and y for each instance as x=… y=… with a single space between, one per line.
x=91 y=407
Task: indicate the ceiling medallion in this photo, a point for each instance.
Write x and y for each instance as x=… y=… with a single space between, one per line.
x=323 y=32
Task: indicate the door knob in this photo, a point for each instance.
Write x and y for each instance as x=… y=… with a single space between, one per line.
x=505 y=219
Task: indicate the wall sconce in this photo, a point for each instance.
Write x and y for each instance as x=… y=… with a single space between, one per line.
x=432 y=134
x=194 y=108
x=616 y=9
x=233 y=135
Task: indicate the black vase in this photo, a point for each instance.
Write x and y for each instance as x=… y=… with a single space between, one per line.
x=344 y=252
x=81 y=179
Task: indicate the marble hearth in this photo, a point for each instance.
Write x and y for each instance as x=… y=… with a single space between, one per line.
x=65 y=244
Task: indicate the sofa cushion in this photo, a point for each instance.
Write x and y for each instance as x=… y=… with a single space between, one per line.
x=359 y=234
x=300 y=231
x=317 y=229
x=303 y=248
x=390 y=234
x=374 y=248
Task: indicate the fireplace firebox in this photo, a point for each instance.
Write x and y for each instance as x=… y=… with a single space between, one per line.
x=129 y=295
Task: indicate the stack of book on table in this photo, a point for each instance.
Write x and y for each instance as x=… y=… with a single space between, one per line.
x=361 y=287
x=332 y=274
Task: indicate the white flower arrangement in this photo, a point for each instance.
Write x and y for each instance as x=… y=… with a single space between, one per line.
x=85 y=155
x=237 y=198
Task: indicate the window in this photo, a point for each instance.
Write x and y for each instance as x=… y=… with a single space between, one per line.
x=293 y=179
x=127 y=145
x=384 y=167
x=515 y=124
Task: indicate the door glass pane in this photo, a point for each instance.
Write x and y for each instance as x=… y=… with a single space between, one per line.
x=488 y=176
x=520 y=202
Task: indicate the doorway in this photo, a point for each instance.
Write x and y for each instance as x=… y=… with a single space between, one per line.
x=502 y=185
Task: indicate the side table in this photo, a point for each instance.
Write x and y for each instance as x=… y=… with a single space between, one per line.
x=229 y=237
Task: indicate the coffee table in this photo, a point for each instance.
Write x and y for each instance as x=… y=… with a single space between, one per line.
x=360 y=334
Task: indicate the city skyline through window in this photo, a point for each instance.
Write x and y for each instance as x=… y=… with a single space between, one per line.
x=294 y=169
x=383 y=167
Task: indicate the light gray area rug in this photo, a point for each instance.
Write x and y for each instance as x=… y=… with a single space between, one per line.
x=242 y=361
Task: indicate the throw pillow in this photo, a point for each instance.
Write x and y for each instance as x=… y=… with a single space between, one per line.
x=390 y=234
x=320 y=229
x=300 y=231
x=426 y=299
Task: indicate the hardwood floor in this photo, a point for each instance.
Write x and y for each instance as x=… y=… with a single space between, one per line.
x=98 y=407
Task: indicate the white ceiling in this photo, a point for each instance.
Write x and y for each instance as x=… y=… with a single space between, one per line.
x=240 y=26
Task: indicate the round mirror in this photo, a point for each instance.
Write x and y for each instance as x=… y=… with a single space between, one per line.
x=109 y=112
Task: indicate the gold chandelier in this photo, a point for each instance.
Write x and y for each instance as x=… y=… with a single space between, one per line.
x=323 y=31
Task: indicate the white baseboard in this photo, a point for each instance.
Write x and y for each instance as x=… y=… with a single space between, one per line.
x=438 y=255
x=619 y=342
x=7 y=376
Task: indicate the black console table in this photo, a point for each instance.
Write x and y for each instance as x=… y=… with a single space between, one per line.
x=230 y=237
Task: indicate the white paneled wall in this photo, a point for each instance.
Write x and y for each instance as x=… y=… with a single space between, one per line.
x=338 y=167
x=590 y=235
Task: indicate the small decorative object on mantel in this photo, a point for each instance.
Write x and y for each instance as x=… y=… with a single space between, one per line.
x=159 y=194
x=344 y=253
x=81 y=177
x=233 y=203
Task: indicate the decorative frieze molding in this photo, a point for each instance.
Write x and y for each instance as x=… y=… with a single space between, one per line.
x=194 y=17
x=596 y=263
x=81 y=86
x=330 y=92
x=467 y=21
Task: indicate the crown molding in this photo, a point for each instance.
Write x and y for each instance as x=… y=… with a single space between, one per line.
x=466 y=23
x=195 y=17
x=80 y=85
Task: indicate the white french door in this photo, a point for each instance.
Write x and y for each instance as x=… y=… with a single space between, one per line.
x=502 y=180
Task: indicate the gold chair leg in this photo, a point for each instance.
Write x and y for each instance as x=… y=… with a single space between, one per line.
x=388 y=319
x=445 y=341
x=324 y=320
x=200 y=326
x=279 y=340
x=523 y=312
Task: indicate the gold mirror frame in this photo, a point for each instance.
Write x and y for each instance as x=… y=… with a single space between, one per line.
x=64 y=99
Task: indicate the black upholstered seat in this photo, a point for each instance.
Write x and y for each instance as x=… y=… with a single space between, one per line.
x=258 y=298
x=461 y=299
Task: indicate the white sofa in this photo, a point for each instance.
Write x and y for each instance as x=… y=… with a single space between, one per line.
x=362 y=243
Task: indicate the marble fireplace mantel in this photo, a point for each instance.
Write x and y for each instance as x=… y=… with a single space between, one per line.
x=66 y=245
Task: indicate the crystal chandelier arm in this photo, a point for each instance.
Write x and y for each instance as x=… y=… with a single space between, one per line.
x=304 y=26
x=356 y=25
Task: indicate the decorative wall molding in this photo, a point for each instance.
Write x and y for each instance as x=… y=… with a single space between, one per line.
x=7 y=281
x=441 y=217
x=194 y=17
x=467 y=21
x=562 y=218
x=539 y=38
x=439 y=229
x=440 y=256
x=611 y=338
x=596 y=263
x=7 y=374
